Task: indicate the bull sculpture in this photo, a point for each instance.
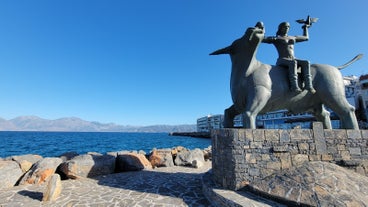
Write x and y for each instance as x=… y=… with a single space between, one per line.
x=257 y=88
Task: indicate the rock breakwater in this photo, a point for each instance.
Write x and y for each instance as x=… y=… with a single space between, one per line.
x=35 y=169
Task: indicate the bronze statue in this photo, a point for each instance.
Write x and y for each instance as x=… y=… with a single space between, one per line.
x=257 y=88
x=285 y=48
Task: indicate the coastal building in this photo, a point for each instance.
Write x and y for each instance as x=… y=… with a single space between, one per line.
x=356 y=91
x=361 y=99
x=282 y=119
x=209 y=122
x=351 y=89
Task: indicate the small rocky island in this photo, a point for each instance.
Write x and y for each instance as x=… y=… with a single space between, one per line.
x=192 y=134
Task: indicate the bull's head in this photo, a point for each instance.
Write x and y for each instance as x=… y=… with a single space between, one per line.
x=253 y=35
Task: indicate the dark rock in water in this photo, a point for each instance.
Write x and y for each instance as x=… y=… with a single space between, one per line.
x=192 y=134
x=10 y=173
x=315 y=184
x=88 y=165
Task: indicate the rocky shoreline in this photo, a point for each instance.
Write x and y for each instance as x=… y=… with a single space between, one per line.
x=35 y=170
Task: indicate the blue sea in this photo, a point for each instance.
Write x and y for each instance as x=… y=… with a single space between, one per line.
x=53 y=144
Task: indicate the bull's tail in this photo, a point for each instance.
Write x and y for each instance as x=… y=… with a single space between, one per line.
x=350 y=62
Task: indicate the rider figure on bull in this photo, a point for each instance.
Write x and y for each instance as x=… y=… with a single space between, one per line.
x=285 y=48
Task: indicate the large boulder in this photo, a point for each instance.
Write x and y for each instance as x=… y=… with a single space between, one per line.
x=193 y=158
x=161 y=158
x=41 y=171
x=88 y=165
x=177 y=149
x=10 y=173
x=53 y=188
x=68 y=155
x=116 y=153
x=26 y=161
x=207 y=153
x=132 y=162
x=315 y=184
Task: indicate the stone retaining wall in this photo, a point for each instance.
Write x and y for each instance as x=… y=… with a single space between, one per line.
x=243 y=155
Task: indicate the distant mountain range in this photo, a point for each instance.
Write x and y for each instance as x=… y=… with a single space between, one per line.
x=73 y=124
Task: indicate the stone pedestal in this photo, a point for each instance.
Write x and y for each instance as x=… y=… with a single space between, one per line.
x=241 y=156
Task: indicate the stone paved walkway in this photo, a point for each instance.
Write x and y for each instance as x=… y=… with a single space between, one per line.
x=161 y=187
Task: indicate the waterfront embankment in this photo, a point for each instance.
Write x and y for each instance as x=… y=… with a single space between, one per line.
x=192 y=134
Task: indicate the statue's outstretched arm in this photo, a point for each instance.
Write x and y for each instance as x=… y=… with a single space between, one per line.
x=305 y=36
x=269 y=40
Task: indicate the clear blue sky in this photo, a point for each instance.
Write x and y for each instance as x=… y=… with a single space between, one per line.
x=146 y=62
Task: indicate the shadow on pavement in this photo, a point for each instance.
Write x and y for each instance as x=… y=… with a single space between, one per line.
x=32 y=194
x=185 y=187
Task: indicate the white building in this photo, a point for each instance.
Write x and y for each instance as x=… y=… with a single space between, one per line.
x=361 y=98
x=351 y=89
x=205 y=124
x=282 y=119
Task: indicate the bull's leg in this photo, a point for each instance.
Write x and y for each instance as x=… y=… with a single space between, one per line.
x=249 y=120
x=229 y=115
x=323 y=116
x=254 y=106
x=348 y=119
x=345 y=111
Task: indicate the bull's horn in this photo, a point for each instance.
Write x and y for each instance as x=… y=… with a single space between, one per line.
x=225 y=50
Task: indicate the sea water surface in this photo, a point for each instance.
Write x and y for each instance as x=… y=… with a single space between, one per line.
x=53 y=144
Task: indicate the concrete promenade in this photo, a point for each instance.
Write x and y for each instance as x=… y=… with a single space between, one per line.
x=164 y=187
x=161 y=187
